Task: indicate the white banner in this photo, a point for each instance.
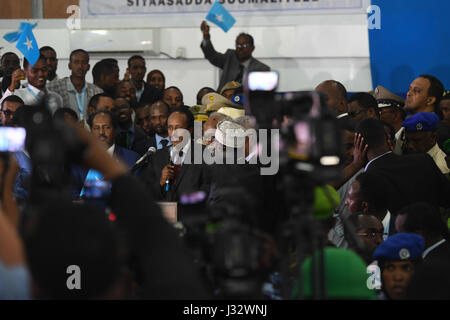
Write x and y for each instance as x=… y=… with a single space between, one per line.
x=127 y=8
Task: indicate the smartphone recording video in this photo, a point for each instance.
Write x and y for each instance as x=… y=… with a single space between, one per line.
x=262 y=81
x=12 y=139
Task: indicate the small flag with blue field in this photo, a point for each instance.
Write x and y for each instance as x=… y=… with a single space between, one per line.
x=26 y=42
x=220 y=16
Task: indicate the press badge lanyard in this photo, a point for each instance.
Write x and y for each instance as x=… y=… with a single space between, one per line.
x=80 y=98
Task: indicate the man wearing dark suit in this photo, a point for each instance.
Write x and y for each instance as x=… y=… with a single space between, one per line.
x=142 y=119
x=128 y=134
x=410 y=178
x=425 y=220
x=103 y=126
x=145 y=93
x=169 y=174
x=235 y=64
x=159 y=113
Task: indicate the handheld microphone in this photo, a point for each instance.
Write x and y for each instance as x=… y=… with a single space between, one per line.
x=168 y=181
x=149 y=152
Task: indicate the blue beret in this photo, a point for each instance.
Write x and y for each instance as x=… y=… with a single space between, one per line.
x=422 y=121
x=400 y=246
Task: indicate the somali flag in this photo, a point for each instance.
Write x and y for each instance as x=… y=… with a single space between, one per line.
x=26 y=42
x=220 y=16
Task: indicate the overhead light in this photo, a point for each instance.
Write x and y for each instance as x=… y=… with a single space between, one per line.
x=146 y=42
x=100 y=32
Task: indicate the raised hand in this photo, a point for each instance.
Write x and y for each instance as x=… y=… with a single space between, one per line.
x=16 y=76
x=168 y=172
x=360 y=151
x=205 y=29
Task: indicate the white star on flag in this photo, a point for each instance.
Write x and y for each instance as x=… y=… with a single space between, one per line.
x=219 y=17
x=29 y=44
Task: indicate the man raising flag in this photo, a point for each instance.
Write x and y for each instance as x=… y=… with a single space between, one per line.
x=235 y=64
x=35 y=69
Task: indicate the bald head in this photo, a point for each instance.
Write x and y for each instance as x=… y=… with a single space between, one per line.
x=159 y=112
x=335 y=95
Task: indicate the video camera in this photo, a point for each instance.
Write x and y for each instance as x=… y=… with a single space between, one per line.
x=310 y=150
x=52 y=148
x=224 y=244
x=311 y=139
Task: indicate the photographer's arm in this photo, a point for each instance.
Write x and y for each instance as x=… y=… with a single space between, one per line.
x=9 y=204
x=14 y=276
x=11 y=247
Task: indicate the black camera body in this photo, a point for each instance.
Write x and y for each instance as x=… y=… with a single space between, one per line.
x=52 y=147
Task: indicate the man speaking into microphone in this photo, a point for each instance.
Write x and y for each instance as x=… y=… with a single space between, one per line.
x=171 y=171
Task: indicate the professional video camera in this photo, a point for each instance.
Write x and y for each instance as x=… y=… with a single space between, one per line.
x=310 y=150
x=227 y=247
x=311 y=140
x=52 y=147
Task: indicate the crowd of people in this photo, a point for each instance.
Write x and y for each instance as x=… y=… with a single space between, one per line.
x=136 y=146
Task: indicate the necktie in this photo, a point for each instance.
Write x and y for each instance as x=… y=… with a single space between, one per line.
x=164 y=143
x=177 y=167
x=123 y=140
x=240 y=74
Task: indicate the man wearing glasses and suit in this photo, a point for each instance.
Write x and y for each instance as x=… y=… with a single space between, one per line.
x=235 y=64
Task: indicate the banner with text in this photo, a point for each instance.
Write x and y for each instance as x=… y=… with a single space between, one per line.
x=124 y=8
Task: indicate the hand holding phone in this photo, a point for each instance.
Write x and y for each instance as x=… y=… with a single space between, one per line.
x=262 y=81
x=16 y=76
x=12 y=139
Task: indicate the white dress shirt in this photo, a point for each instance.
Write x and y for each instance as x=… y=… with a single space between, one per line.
x=439 y=158
x=32 y=96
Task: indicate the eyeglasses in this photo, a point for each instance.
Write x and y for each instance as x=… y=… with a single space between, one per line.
x=244 y=45
x=372 y=235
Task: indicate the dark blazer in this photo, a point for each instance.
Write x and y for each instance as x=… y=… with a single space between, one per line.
x=140 y=144
x=128 y=156
x=229 y=63
x=78 y=173
x=152 y=142
x=150 y=95
x=410 y=179
x=441 y=252
x=192 y=177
